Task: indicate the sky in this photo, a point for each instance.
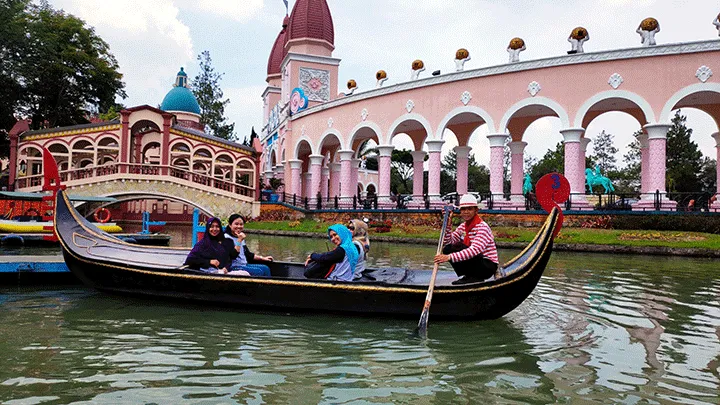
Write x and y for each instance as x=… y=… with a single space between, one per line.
x=153 y=39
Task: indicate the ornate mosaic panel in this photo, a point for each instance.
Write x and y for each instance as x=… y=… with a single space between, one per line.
x=315 y=83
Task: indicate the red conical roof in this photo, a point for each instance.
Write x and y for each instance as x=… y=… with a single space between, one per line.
x=278 y=50
x=311 y=19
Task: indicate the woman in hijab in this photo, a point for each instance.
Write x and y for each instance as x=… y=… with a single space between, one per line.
x=361 y=240
x=338 y=264
x=234 y=232
x=214 y=253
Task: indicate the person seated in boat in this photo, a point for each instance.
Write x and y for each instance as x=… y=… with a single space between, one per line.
x=361 y=241
x=338 y=264
x=471 y=248
x=213 y=253
x=245 y=260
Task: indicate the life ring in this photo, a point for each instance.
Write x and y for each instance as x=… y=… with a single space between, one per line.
x=32 y=212
x=102 y=215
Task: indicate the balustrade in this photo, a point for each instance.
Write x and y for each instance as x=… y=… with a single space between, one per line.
x=135 y=169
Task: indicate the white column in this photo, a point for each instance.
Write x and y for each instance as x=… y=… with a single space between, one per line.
x=716 y=204
x=644 y=159
x=656 y=168
x=307 y=184
x=517 y=174
x=355 y=174
x=497 y=151
x=418 y=169
x=461 y=169
x=346 y=188
x=434 y=168
x=296 y=182
x=384 y=169
x=268 y=176
x=324 y=180
x=315 y=171
x=334 y=179
x=574 y=171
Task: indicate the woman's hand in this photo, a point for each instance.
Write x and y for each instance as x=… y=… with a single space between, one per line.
x=241 y=236
x=215 y=262
x=307 y=260
x=264 y=258
x=223 y=271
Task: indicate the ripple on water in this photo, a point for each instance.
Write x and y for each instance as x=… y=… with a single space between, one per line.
x=603 y=329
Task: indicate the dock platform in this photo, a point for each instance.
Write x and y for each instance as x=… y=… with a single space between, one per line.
x=26 y=269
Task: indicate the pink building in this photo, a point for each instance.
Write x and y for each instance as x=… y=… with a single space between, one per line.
x=149 y=156
x=312 y=134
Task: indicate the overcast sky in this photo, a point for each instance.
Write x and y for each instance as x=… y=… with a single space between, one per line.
x=153 y=39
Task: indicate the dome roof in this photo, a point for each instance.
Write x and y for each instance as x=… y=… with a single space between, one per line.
x=180 y=97
x=278 y=50
x=311 y=19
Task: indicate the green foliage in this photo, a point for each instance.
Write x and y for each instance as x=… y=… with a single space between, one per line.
x=206 y=87
x=401 y=171
x=112 y=113
x=604 y=151
x=552 y=161
x=627 y=179
x=684 y=159
x=53 y=67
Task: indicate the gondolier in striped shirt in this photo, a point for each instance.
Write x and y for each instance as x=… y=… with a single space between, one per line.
x=471 y=248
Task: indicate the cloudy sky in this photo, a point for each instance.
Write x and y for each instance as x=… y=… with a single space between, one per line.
x=153 y=39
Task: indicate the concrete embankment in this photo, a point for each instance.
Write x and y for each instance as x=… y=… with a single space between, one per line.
x=559 y=247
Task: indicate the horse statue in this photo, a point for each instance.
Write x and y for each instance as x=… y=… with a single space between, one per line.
x=527 y=185
x=595 y=178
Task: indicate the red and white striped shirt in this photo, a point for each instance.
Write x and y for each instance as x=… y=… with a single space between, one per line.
x=481 y=242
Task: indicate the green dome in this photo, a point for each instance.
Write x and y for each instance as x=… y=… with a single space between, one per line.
x=180 y=98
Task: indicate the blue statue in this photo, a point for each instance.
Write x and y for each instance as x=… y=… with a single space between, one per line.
x=527 y=184
x=597 y=179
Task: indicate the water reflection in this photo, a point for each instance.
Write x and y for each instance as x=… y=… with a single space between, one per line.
x=608 y=329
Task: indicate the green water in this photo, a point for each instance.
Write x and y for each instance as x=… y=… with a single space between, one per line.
x=598 y=328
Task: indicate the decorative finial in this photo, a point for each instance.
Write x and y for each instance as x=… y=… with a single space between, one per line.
x=417 y=67
x=381 y=77
x=647 y=30
x=351 y=85
x=516 y=46
x=577 y=38
x=716 y=23
x=461 y=56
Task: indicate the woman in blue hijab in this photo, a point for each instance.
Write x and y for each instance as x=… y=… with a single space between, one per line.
x=338 y=264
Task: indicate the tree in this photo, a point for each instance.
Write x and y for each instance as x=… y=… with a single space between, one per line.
x=401 y=173
x=56 y=70
x=370 y=153
x=552 y=161
x=627 y=179
x=206 y=87
x=684 y=158
x=604 y=151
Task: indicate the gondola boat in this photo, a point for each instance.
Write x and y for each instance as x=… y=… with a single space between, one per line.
x=107 y=263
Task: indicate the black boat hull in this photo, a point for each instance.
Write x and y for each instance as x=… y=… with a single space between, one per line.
x=104 y=262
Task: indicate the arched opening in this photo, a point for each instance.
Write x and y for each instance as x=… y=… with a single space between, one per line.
x=82 y=151
x=107 y=151
x=245 y=173
x=151 y=154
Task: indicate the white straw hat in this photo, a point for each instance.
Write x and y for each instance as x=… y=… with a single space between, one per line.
x=468 y=200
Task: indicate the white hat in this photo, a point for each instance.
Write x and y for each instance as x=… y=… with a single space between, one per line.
x=468 y=200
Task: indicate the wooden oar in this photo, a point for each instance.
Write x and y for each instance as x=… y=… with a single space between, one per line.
x=422 y=325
